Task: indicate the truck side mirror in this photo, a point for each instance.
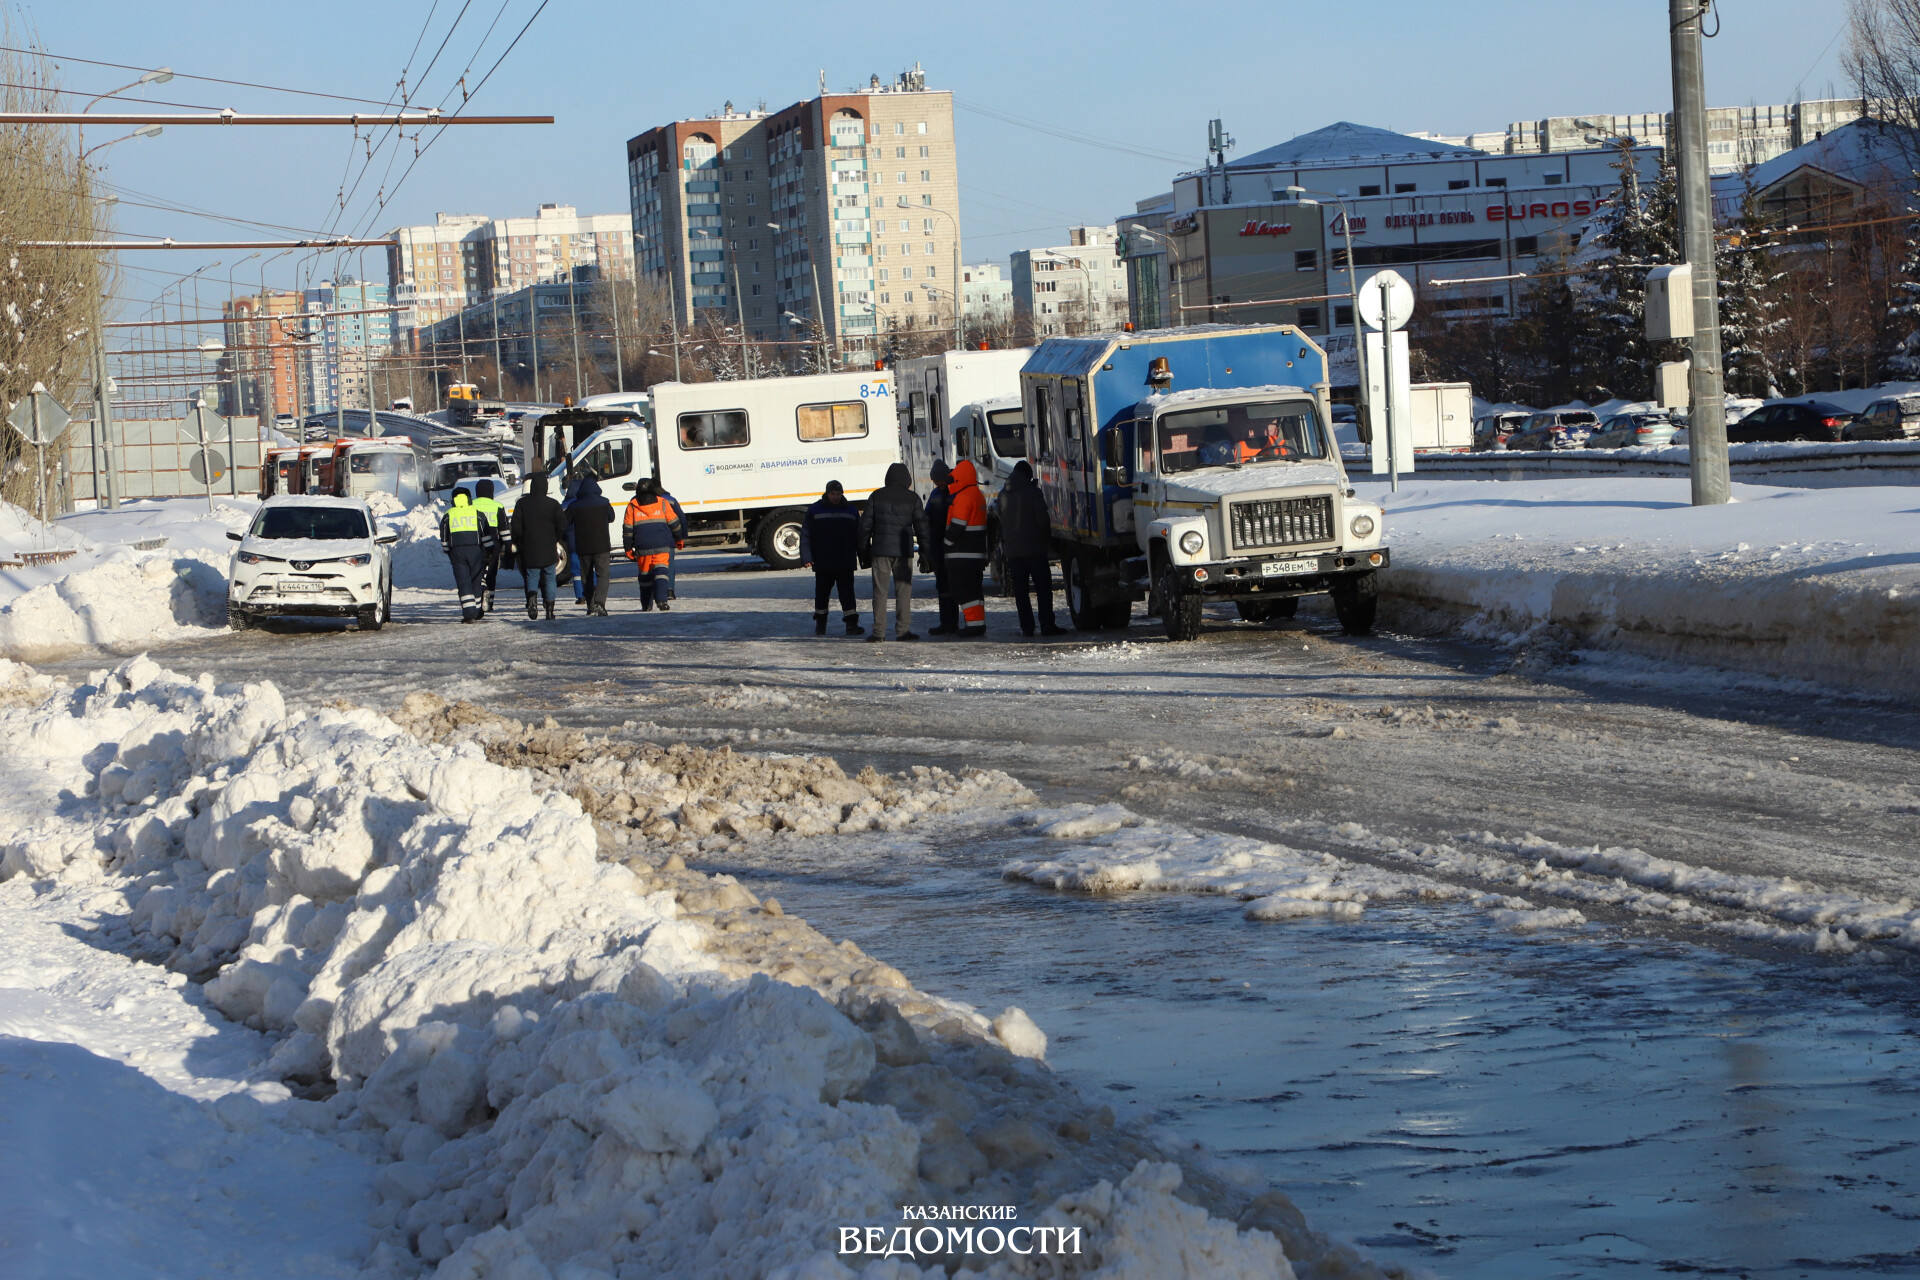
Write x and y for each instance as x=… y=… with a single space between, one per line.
x=1114 y=451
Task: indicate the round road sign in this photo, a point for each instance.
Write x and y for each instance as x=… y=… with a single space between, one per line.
x=1387 y=295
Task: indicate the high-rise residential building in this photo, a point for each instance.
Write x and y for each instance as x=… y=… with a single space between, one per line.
x=1077 y=287
x=348 y=334
x=261 y=332
x=842 y=210
x=461 y=259
x=988 y=293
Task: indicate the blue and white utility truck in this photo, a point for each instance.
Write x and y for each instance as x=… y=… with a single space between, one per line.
x=1197 y=464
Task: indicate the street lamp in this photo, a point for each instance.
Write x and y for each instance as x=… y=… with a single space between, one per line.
x=1173 y=262
x=144 y=131
x=959 y=320
x=1301 y=196
x=1077 y=265
x=159 y=75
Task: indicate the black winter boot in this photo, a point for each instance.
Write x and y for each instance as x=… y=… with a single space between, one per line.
x=533 y=608
x=820 y=623
x=550 y=611
x=853 y=625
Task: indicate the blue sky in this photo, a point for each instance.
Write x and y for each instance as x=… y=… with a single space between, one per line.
x=1146 y=75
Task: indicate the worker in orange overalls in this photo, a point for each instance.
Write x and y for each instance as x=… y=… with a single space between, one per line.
x=653 y=530
x=966 y=540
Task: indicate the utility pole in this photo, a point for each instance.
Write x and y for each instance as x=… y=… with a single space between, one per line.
x=573 y=310
x=1707 y=418
x=103 y=417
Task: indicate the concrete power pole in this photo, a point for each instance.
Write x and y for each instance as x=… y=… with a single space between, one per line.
x=1707 y=419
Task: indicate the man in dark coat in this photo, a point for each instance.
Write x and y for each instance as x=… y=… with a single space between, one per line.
x=591 y=520
x=936 y=552
x=891 y=527
x=490 y=511
x=1026 y=540
x=830 y=546
x=466 y=537
x=539 y=530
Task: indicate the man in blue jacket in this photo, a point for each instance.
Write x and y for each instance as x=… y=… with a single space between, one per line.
x=830 y=546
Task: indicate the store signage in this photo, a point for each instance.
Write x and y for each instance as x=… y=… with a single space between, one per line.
x=1342 y=225
x=1443 y=218
x=1558 y=209
x=1255 y=227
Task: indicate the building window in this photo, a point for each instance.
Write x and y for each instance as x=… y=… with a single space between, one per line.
x=907 y=296
x=926 y=175
x=1496 y=182
x=1526 y=246
x=1458 y=184
x=883 y=275
x=923 y=126
x=925 y=152
x=900 y=177
x=1343 y=316
x=1555 y=179
x=886 y=299
x=899 y=153
x=899 y=126
x=1306 y=259
x=1402 y=188
x=927 y=199
x=932 y=272
x=1370 y=191
x=906 y=273
x=1309 y=317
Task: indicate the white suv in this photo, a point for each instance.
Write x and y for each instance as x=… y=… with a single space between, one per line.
x=311 y=557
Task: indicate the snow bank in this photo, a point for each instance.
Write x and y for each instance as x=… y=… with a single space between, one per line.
x=1115 y=850
x=418 y=559
x=577 y=1067
x=1819 y=584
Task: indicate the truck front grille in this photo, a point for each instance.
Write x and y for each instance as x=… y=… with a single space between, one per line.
x=1281 y=522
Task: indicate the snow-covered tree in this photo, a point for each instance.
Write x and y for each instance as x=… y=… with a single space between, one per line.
x=1638 y=230
x=1750 y=303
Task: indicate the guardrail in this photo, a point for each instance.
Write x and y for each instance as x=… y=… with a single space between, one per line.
x=1801 y=465
x=34 y=559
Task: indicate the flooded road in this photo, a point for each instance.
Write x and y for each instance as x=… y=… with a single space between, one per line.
x=1478 y=1102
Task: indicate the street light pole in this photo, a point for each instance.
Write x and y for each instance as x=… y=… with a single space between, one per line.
x=1707 y=418
x=959 y=320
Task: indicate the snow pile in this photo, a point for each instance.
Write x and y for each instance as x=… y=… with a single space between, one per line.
x=574 y=1068
x=1819 y=584
x=686 y=797
x=418 y=558
x=1116 y=850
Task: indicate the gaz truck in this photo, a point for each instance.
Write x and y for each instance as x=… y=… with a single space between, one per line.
x=1190 y=465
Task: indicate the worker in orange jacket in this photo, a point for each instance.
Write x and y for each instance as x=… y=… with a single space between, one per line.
x=653 y=529
x=966 y=542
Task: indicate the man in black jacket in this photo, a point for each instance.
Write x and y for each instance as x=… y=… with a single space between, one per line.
x=591 y=519
x=830 y=546
x=936 y=551
x=891 y=527
x=1026 y=539
x=539 y=531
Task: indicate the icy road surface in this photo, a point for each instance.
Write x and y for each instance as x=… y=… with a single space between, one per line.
x=1492 y=1076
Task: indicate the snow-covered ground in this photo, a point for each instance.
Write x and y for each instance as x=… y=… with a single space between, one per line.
x=1815 y=584
x=446 y=1018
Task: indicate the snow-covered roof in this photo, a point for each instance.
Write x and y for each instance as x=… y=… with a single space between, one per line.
x=1344 y=142
x=1163 y=399
x=1864 y=151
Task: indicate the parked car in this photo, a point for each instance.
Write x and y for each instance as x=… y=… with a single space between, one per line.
x=1798 y=420
x=1633 y=430
x=1893 y=418
x=1493 y=431
x=307 y=556
x=1555 y=429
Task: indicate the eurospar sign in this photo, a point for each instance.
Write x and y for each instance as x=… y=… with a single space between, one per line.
x=1438 y=218
x=1557 y=209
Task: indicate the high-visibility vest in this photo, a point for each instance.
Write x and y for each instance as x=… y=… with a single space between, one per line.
x=463 y=519
x=490 y=509
x=649 y=525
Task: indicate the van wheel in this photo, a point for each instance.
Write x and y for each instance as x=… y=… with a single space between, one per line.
x=779 y=540
x=238 y=619
x=1179 y=610
x=1073 y=573
x=1355 y=600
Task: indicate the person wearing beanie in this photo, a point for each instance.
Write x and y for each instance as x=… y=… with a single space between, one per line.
x=830 y=546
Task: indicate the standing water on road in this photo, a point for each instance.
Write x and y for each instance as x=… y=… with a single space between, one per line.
x=1449 y=1094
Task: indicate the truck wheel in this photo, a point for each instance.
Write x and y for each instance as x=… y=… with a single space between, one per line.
x=1355 y=601
x=997 y=563
x=1074 y=575
x=238 y=619
x=779 y=541
x=1267 y=610
x=1179 y=610
x=1116 y=616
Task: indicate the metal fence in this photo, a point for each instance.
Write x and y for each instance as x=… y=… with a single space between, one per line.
x=151 y=457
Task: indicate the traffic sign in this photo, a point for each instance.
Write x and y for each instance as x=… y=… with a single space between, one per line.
x=208 y=466
x=1386 y=295
x=39 y=418
x=206 y=424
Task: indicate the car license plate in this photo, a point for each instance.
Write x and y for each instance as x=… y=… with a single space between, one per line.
x=1276 y=568
x=295 y=585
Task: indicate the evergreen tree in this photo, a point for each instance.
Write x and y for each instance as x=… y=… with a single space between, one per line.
x=1750 y=304
x=1638 y=231
x=1904 y=362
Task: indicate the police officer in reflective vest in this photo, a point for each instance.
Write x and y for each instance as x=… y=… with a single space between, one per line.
x=466 y=537
x=966 y=540
x=652 y=531
x=490 y=512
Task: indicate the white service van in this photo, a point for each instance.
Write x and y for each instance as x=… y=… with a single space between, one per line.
x=937 y=396
x=744 y=459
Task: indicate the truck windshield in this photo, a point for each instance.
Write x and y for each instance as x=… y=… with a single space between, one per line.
x=1008 y=427
x=321 y=524
x=1231 y=434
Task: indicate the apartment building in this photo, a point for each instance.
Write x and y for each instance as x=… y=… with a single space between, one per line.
x=986 y=294
x=461 y=259
x=1077 y=287
x=345 y=336
x=841 y=211
x=261 y=331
